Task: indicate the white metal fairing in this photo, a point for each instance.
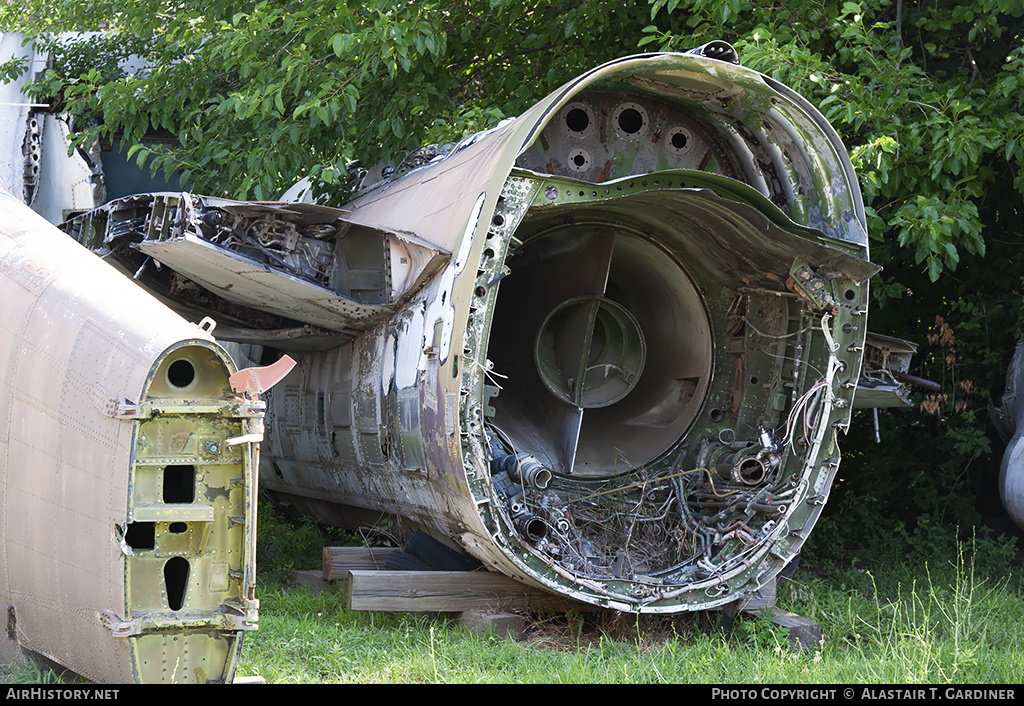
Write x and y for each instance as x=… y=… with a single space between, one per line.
x=34 y=159
x=1011 y=469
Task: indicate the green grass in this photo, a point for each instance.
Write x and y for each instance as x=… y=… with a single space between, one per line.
x=887 y=623
x=944 y=613
x=31 y=671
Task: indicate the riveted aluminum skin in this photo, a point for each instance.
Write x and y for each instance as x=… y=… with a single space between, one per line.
x=651 y=288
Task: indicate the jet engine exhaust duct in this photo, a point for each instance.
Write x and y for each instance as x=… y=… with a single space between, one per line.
x=660 y=268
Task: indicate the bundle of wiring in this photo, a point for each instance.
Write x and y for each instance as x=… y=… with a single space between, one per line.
x=806 y=405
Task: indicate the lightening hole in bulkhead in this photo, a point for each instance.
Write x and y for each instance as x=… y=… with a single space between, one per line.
x=179 y=484
x=178 y=527
x=176 y=572
x=680 y=141
x=631 y=121
x=577 y=120
x=181 y=373
x=579 y=161
x=141 y=536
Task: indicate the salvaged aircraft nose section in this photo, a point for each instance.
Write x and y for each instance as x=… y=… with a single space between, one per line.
x=127 y=465
x=605 y=347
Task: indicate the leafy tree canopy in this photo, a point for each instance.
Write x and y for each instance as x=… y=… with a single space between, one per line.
x=926 y=94
x=257 y=94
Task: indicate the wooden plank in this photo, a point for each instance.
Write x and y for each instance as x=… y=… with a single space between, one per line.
x=311 y=578
x=338 y=561
x=501 y=624
x=447 y=592
x=804 y=633
x=378 y=588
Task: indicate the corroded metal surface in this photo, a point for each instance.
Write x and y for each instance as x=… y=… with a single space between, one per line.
x=606 y=347
x=715 y=208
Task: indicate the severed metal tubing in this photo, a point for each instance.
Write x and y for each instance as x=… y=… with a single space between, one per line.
x=924 y=384
x=531 y=527
x=750 y=471
x=525 y=469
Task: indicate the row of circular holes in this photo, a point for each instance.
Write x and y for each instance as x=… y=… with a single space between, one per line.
x=552 y=191
x=628 y=120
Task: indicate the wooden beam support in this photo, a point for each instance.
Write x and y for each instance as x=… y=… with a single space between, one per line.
x=338 y=561
x=373 y=587
x=804 y=633
x=447 y=592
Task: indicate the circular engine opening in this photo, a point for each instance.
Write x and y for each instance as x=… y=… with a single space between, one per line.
x=590 y=352
x=605 y=305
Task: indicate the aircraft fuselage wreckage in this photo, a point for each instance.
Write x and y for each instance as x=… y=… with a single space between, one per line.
x=605 y=347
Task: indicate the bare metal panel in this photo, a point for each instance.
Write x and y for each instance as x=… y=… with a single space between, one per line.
x=268 y=266
x=1011 y=469
x=243 y=281
x=15 y=107
x=34 y=159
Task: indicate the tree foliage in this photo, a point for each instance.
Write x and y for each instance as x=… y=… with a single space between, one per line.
x=257 y=94
x=260 y=94
x=926 y=95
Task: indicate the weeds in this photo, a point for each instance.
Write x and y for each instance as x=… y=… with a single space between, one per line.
x=37 y=670
x=284 y=546
x=938 y=622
